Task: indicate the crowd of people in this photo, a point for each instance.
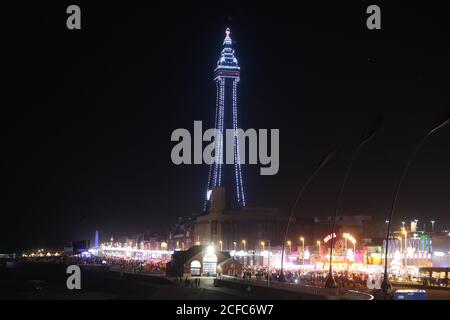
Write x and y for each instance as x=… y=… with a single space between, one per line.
x=344 y=279
x=149 y=266
x=127 y=265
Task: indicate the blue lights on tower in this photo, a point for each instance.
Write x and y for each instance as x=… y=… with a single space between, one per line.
x=226 y=76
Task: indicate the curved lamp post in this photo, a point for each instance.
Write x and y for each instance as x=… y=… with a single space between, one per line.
x=322 y=163
x=385 y=285
x=330 y=282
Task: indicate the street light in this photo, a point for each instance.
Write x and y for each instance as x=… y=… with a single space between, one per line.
x=432 y=225
x=221 y=245
x=406 y=248
x=401 y=248
x=244 y=256
x=234 y=245
x=322 y=163
x=290 y=246
x=330 y=282
x=303 y=250
x=262 y=243
x=268 y=264
x=386 y=286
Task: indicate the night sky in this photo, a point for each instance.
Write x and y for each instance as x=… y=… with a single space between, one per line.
x=87 y=115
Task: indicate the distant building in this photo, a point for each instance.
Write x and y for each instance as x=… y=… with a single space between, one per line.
x=80 y=246
x=181 y=234
x=364 y=228
x=441 y=251
x=246 y=228
x=420 y=249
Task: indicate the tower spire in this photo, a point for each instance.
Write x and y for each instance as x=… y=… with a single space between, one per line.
x=227 y=41
x=227 y=60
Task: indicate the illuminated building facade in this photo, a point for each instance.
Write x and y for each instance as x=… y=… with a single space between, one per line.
x=226 y=76
x=229 y=228
x=412 y=249
x=441 y=251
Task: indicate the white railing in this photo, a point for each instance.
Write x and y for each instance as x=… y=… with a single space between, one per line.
x=357 y=295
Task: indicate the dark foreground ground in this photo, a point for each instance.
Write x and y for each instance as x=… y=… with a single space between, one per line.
x=48 y=282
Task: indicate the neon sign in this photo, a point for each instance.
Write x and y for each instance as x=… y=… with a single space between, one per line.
x=328 y=237
x=349 y=237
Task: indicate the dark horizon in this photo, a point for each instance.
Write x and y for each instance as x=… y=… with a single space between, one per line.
x=88 y=114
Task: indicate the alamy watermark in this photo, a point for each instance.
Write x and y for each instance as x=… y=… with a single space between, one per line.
x=74 y=280
x=235 y=140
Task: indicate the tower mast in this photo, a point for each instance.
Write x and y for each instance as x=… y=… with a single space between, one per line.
x=226 y=76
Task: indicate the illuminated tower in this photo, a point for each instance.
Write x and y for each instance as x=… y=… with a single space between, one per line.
x=226 y=76
x=96 y=240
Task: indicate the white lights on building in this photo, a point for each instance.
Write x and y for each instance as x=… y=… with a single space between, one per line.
x=350 y=255
x=410 y=252
x=210 y=248
x=306 y=255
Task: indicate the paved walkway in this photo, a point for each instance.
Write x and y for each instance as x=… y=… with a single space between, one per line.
x=207 y=284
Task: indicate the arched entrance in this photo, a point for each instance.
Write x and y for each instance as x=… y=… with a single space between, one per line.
x=195 y=268
x=210 y=264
